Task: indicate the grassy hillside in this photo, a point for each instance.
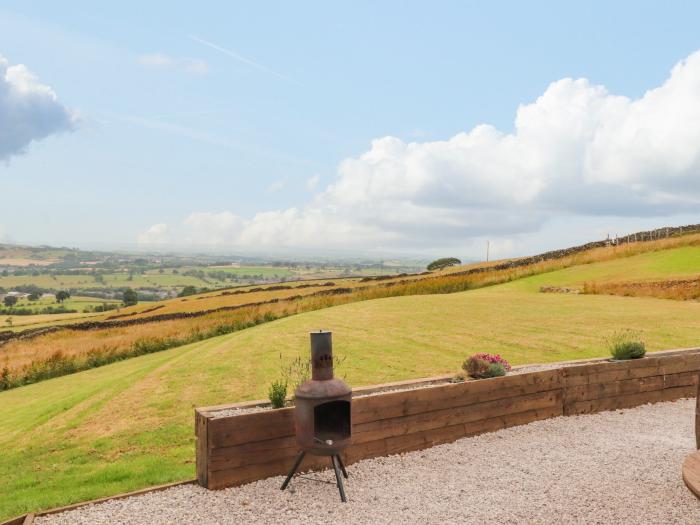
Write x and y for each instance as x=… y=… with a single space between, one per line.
x=663 y=264
x=73 y=349
x=129 y=424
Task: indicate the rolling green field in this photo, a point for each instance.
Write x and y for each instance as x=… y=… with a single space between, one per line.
x=21 y=322
x=72 y=303
x=662 y=264
x=169 y=279
x=111 y=280
x=129 y=424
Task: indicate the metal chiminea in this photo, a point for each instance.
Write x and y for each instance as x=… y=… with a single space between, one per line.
x=322 y=418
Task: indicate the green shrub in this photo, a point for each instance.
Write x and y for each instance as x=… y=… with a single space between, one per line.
x=482 y=366
x=476 y=367
x=5 y=381
x=626 y=345
x=278 y=394
x=496 y=370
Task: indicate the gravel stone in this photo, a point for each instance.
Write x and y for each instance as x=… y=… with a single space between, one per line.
x=621 y=467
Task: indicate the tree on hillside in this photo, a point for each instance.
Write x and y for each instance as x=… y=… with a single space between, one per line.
x=34 y=296
x=10 y=301
x=61 y=296
x=439 y=264
x=187 y=290
x=130 y=297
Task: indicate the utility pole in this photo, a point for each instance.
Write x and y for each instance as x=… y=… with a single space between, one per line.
x=488 y=247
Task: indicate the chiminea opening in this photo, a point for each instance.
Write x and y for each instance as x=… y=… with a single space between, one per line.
x=332 y=420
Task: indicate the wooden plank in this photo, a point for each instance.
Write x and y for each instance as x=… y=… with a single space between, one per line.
x=245 y=428
x=387 y=428
x=201 y=424
x=628 y=401
x=672 y=394
x=432 y=437
x=615 y=388
x=239 y=476
x=18 y=520
x=251 y=453
x=697 y=417
x=634 y=368
x=410 y=402
x=283 y=448
x=690 y=363
x=236 y=430
x=682 y=379
x=629 y=386
x=616 y=372
x=29 y=520
x=691 y=472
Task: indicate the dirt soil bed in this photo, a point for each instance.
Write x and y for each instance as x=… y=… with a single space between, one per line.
x=611 y=467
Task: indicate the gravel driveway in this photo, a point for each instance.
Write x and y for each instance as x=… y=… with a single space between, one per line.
x=612 y=467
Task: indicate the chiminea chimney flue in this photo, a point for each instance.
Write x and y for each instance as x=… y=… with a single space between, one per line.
x=321 y=355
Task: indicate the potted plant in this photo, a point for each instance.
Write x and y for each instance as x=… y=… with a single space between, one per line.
x=482 y=366
x=625 y=345
x=278 y=394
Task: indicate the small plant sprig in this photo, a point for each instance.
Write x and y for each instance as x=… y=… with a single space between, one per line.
x=278 y=393
x=299 y=370
x=481 y=366
x=626 y=344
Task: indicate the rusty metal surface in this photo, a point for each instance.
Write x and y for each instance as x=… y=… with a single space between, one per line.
x=321 y=355
x=322 y=415
x=332 y=388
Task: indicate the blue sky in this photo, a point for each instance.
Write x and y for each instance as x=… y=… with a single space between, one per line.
x=230 y=125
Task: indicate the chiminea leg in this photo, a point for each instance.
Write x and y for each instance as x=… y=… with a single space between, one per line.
x=341 y=489
x=297 y=462
x=342 y=467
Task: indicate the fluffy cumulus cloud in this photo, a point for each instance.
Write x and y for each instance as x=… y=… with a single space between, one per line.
x=156 y=234
x=163 y=61
x=29 y=110
x=578 y=150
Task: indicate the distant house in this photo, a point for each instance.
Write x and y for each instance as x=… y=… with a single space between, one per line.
x=18 y=295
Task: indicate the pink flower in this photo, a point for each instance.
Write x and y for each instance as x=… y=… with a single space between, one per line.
x=493 y=358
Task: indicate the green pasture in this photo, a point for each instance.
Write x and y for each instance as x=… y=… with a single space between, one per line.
x=129 y=424
x=78 y=303
x=662 y=264
x=149 y=279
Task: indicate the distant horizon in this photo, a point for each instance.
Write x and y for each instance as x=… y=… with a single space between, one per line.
x=312 y=255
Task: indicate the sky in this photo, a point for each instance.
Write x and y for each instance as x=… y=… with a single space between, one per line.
x=359 y=128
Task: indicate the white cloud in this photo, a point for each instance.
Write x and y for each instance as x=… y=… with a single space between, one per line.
x=156 y=234
x=312 y=182
x=163 y=61
x=277 y=185
x=29 y=110
x=213 y=228
x=577 y=150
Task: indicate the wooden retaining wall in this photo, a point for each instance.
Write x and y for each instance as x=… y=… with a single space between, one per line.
x=239 y=449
